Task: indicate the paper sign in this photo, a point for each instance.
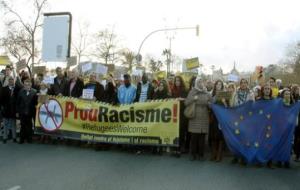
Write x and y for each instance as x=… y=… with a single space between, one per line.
x=21 y=65
x=233 y=78
x=101 y=69
x=192 y=63
x=86 y=67
x=39 y=69
x=88 y=94
x=227 y=95
x=48 y=80
x=137 y=72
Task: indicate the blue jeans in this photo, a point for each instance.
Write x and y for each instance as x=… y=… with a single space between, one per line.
x=9 y=124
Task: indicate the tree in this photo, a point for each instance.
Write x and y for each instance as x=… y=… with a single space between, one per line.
x=128 y=58
x=26 y=29
x=290 y=65
x=155 y=65
x=167 y=53
x=82 y=41
x=106 y=46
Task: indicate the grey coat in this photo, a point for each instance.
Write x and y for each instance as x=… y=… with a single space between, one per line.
x=200 y=123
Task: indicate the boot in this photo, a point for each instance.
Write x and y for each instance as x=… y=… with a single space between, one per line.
x=220 y=152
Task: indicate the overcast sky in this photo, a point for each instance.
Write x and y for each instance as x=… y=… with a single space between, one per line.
x=251 y=33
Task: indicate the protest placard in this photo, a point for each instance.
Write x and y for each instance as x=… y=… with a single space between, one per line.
x=88 y=94
x=86 y=67
x=101 y=69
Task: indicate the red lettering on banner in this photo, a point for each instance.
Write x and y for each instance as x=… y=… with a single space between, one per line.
x=69 y=108
x=83 y=114
x=93 y=114
x=175 y=113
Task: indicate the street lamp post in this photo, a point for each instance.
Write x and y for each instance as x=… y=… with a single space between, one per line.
x=139 y=57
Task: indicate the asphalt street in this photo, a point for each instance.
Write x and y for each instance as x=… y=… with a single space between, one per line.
x=57 y=167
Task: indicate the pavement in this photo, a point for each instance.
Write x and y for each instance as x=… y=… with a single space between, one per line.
x=58 y=167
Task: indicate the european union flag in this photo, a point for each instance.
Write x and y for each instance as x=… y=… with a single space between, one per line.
x=259 y=131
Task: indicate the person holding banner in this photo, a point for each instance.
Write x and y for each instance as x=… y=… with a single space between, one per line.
x=287 y=101
x=26 y=102
x=126 y=92
x=296 y=97
x=162 y=91
x=215 y=133
x=8 y=103
x=96 y=87
x=60 y=81
x=179 y=92
x=266 y=94
x=242 y=95
x=144 y=90
x=75 y=85
x=161 y=94
x=110 y=93
x=198 y=125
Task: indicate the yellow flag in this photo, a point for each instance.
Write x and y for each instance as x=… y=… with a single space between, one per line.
x=4 y=60
x=192 y=63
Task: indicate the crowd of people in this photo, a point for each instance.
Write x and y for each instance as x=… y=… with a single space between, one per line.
x=19 y=95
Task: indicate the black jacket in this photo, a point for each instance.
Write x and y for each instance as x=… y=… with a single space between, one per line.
x=160 y=95
x=99 y=91
x=150 y=92
x=76 y=91
x=26 y=103
x=58 y=88
x=8 y=101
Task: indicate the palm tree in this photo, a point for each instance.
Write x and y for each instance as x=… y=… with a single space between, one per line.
x=167 y=53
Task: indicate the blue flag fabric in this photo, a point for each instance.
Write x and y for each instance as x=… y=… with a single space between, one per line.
x=259 y=131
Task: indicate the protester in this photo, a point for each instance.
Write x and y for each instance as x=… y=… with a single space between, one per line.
x=279 y=84
x=288 y=101
x=96 y=86
x=215 y=134
x=75 y=85
x=25 y=75
x=144 y=90
x=26 y=102
x=275 y=90
x=60 y=83
x=162 y=91
x=257 y=92
x=242 y=95
x=8 y=99
x=198 y=125
x=209 y=86
x=296 y=97
x=266 y=94
x=110 y=93
x=179 y=92
x=154 y=84
x=232 y=89
x=126 y=92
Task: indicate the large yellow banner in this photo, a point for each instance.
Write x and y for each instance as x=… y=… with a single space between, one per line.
x=149 y=123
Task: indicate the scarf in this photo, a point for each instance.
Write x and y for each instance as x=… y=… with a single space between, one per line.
x=242 y=96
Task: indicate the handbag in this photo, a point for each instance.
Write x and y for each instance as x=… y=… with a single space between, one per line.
x=189 y=111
